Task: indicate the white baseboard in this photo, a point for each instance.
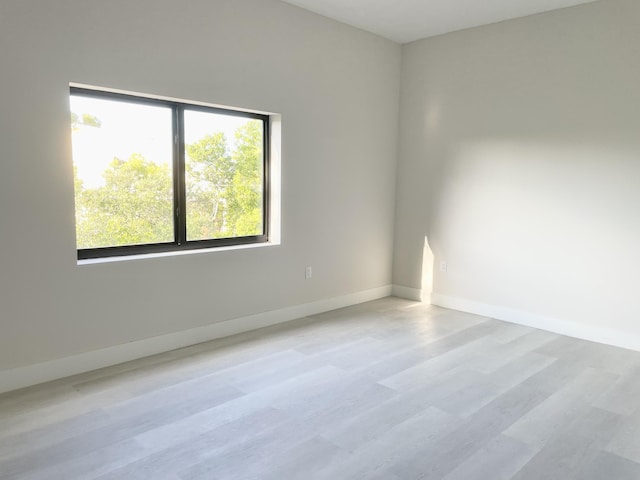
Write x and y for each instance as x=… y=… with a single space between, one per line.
x=408 y=293
x=64 y=367
x=606 y=336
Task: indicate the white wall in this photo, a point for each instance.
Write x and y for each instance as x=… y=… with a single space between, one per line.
x=337 y=89
x=520 y=160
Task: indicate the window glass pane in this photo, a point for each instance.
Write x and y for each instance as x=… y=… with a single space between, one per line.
x=122 y=159
x=223 y=175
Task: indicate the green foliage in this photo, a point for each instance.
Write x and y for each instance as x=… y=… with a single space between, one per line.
x=209 y=170
x=245 y=193
x=91 y=120
x=86 y=120
x=135 y=204
x=224 y=192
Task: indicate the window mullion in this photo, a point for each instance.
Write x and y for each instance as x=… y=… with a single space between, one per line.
x=179 y=173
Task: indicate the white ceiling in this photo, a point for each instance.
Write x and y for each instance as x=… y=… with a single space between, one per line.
x=407 y=20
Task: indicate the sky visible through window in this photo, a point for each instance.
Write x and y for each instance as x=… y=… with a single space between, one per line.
x=127 y=128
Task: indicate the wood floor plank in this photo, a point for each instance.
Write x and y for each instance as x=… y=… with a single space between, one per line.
x=197 y=449
x=483 y=389
x=409 y=437
x=609 y=466
x=561 y=409
x=124 y=426
x=86 y=466
x=626 y=442
x=303 y=460
x=37 y=438
x=455 y=445
x=499 y=459
x=623 y=397
x=565 y=453
x=501 y=356
x=252 y=457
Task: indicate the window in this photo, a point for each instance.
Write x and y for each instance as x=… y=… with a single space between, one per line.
x=157 y=175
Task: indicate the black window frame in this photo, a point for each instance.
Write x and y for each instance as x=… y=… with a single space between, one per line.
x=180 y=242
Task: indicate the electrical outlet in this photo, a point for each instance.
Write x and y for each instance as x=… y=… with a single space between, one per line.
x=443 y=266
x=308 y=273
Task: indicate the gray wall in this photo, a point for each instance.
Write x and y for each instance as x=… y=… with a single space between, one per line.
x=520 y=160
x=337 y=89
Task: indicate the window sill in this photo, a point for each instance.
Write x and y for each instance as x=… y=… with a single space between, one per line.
x=145 y=256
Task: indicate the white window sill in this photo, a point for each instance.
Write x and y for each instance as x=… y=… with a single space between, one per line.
x=145 y=256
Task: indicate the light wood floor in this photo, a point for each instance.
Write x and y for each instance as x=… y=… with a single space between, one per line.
x=385 y=390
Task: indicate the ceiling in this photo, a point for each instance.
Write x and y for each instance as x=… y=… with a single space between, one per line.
x=408 y=20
